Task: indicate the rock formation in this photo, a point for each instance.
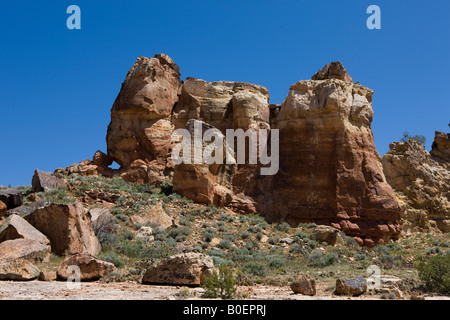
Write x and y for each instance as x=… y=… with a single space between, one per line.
x=329 y=171
x=422 y=180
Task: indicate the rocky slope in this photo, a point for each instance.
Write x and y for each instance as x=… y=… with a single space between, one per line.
x=422 y=180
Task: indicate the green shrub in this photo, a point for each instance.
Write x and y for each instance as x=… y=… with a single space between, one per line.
x=225 y=244
x=112 y=257
x=276 y=263
x=179 y=234
x=319 y=259
x=222 y=284
x=274 y=240
x=254 y=268
x=283 y=227
x=435 y=272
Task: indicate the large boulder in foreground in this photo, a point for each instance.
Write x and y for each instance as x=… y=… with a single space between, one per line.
x=18 y=270
x=181 y=269
x=12 y=198
x=91 y=269
x=67 y=226
x=44 y=181
x=26 y=249
x=15 y=227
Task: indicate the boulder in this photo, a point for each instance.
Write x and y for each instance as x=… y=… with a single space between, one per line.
x=15 y=227
x=101 y=159
x=91 y=269
x=326 y=234
x=12 y=198
x=3 y=209
x=26 y=249
x=180 y=269
x=351 y=287
x=18 y=270
x=304 y=285
x=44 y=181
x=102 y=221
x=67 y=226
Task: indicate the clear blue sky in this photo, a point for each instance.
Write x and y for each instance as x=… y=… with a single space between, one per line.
x=57 y=86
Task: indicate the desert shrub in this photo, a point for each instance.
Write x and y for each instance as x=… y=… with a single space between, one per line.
x=252 y=245
x=283 y=227
x=418 y=137
x=276 y=263
x=166 y=188
x=245 y=235
x=112 y=257
x=240 y=255
x=306 y=225
x=298 y=249
x=216 y=253
x=312 y=244
x=226 y=217
x=255 y=268
x=274 y=240
x=158 y=233
x=126 y=234
x=132 y=249
x=319 y=259
x=221 y=284
x=435 y=272
x=255 y=229
x=185 y=222
x=107 y=240
x=208 y=236
x=179 y=234
x=225 y=244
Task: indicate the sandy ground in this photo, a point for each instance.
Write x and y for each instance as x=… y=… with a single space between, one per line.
x=38 y=290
